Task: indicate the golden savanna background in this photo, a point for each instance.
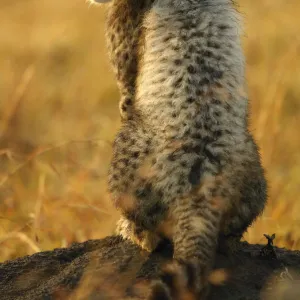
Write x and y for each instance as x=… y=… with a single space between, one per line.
x=59 y=113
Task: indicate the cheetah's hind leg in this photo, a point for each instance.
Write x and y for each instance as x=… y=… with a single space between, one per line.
x=195 y=242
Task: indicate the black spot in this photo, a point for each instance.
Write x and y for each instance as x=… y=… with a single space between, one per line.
x=178 y=191
x=170 y=95
x=213 y=158
x=204 y=81
x=208 y=53
x=200 y=60
x=199 y=92
x=187 y=56
x=172 y=157
x=231 y=84
x=192 y=48
x=122 y=137
x=178 y=62
x=206 y=126
x=195 y=173
x=197 y=136
x=135 y=154
x=183 y=164
x=188 y=130
x=123 y=151
x=211 y=44
x=224 y=193
x=218 y=133
x=228 y=107
x=156 y=209
x=175 y=48
x=241 y=151
x=178 y=82
x=227 y=131
x=213 y=191
x=126 y=56
x=190 y=99
x=213 y=72
x=216 y=101
x=172 y=72
x=143 y=192
x=198 y=148
x=216 y=145
x=115 y=177
x=159 y=194
x=187 y=148
x=223 y=27
x=181 y=182
x=217 y=114
x=187 y=89
x=128 y=101
x=217 y=74
x=122 y=172
x=167 y=39
x=184 y=37
x=191 y=69
x=198 y=34
x=198 y=125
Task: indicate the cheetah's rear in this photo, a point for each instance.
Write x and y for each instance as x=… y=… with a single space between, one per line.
x=185 y=166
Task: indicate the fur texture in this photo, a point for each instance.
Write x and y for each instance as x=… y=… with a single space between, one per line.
x=124 y=32
x=185 y=166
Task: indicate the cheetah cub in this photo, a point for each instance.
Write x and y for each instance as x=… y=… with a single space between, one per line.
x=185 y=166
x=123 y=36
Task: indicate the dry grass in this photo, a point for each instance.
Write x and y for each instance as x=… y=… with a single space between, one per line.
x=59 y=113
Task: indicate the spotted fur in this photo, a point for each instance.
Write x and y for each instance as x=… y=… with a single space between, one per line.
x=185 y=165
x=123 y=34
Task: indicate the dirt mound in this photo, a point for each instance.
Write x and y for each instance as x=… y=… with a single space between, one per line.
x=112 y=268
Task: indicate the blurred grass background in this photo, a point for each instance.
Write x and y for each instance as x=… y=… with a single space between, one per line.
x=59 y=114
